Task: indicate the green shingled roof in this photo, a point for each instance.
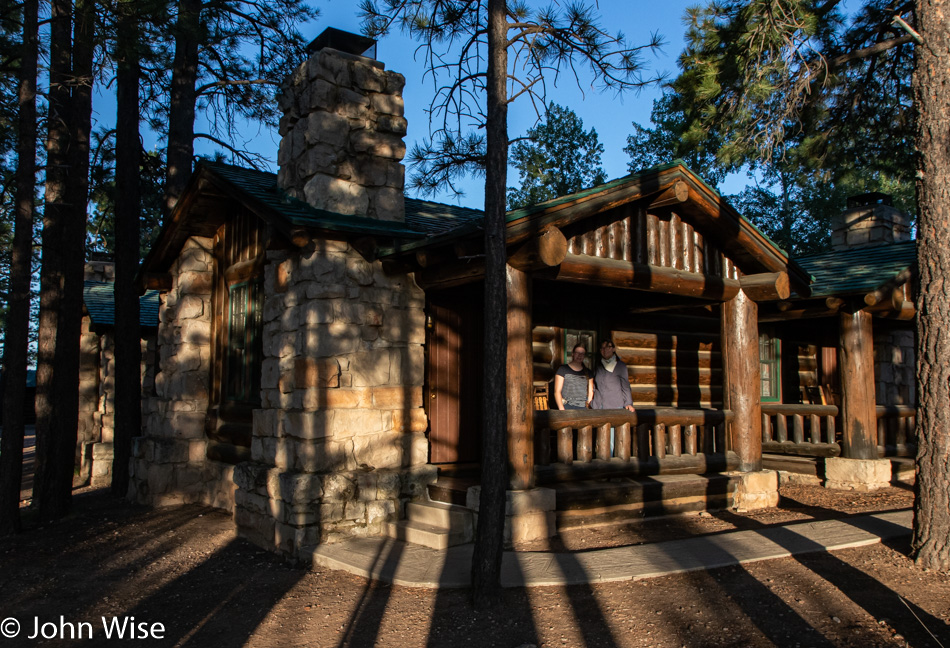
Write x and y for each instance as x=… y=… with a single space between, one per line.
x=861 y=270
x=99 y=297
x=422 y=218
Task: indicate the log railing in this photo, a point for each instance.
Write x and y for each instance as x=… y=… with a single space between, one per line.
x=575 y=444
x=795 y=429
x=896 y=431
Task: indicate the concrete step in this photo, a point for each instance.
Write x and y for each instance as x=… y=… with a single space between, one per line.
x=427 y=535
x=594 y=502
x=440 y=514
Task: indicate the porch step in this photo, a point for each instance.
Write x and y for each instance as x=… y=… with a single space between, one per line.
x=434 y=524
x=451 y=490
x=588 y=502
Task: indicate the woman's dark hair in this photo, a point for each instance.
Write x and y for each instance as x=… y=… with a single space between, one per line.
x=579 y=345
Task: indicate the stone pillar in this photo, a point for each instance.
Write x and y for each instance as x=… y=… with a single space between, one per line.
x=741 y=374
x=88 y=425
x=338 y=446
x=170 y=463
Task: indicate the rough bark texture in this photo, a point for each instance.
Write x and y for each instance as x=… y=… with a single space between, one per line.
x=741 y=373
x=856 y=368
x=18 y=315
x=932 y=97
x=181 y=112
x=128 y=350
x=486 y=561
x=47 y=480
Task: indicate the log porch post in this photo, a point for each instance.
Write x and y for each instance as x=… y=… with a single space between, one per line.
x=742 y=390
x=519 y=383
x=856 y=369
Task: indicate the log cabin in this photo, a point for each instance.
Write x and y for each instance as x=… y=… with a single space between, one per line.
x=320 y=338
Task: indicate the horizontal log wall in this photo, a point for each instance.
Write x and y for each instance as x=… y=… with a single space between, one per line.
x=672 y=368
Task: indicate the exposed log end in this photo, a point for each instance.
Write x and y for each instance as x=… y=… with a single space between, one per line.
x=546 y=250
x=300 y=237
x=767 y=286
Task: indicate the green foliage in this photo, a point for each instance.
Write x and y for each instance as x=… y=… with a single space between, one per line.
x=245 y=50
x=800 y=81
x=543 y=42
x=101 y=225
x=663 y=143
x=558 y=158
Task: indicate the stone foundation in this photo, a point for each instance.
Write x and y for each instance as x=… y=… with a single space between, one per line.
x=529 y=514
x=756 y=490
x=857 y=474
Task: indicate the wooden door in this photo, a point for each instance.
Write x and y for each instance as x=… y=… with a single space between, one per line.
x=454 y=380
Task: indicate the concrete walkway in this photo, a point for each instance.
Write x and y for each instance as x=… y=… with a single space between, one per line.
x=396 y=562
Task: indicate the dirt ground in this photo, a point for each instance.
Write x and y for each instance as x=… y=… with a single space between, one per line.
x=185 y=568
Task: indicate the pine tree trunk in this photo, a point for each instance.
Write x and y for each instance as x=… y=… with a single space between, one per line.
x=128 y=350
x=181 y=113
x=931 y=542
x=46 y=480
x=60 y=409
x=486 y=561
x=18 y=316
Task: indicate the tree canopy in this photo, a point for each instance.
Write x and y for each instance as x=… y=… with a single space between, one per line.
x=558 y=157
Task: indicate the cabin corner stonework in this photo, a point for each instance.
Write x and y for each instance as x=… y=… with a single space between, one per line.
x=338 y=445
x=169 y=463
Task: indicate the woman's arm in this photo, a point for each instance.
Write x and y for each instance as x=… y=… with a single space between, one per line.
x=625 y=386
x=558 y=384
x=590 y=391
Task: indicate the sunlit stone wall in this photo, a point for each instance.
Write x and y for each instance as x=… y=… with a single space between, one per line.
x=339 y=443
x=169 y=465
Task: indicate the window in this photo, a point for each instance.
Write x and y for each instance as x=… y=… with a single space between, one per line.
x=573 y=337
x=770 y=365
x=243 y=355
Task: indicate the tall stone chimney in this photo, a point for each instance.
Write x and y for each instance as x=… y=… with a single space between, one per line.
x=341 y=132
x=870 y=219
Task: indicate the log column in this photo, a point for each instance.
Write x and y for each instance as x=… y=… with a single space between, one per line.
x=741 y=374
x=519 y=381
x=856 y=368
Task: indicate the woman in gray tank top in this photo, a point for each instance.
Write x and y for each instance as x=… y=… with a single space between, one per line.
x=573 y=384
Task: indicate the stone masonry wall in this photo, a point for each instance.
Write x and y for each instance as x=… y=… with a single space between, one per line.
x=339 y=443
x=894 y=368
x=341 y=136
x=169 y=463
x=869 y=225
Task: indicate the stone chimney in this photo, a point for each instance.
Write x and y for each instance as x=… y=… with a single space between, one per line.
x=341 y=132
x=870 y=219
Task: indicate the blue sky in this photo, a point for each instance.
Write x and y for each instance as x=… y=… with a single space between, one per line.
x=610 y=115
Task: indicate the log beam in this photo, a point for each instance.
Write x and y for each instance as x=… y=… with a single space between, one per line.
x=856 y=369
x=766 y=286
x=675 y=195
x=161 y=281
x=637 y=276
x=742 y=381
x=519 y=379
x=543 y=251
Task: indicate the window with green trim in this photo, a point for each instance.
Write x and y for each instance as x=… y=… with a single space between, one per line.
x=243 y=358
x=770 y=365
